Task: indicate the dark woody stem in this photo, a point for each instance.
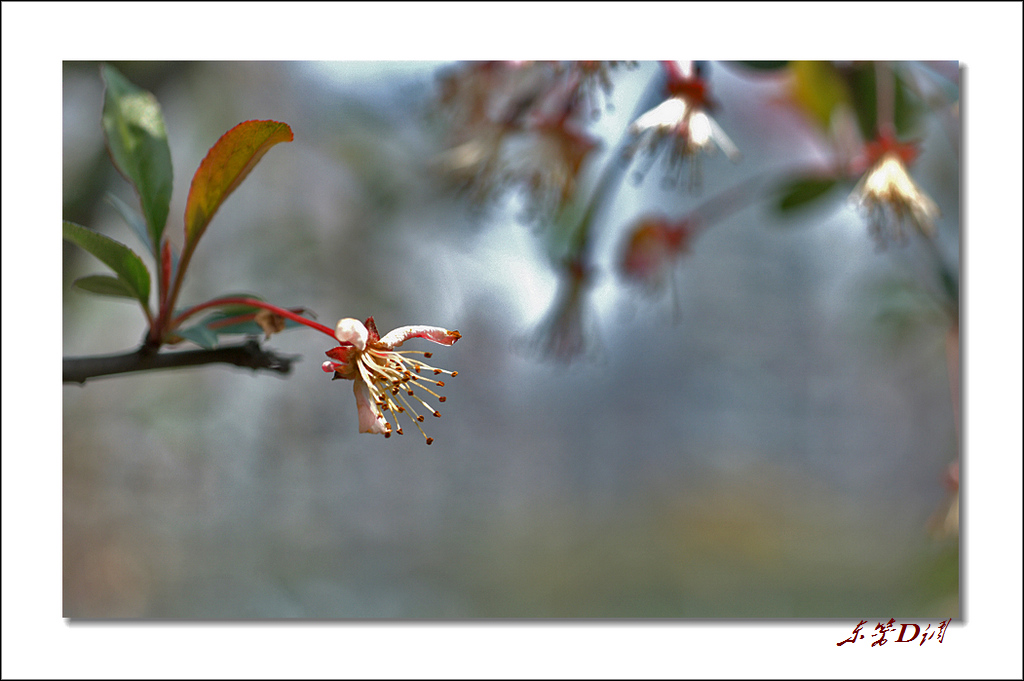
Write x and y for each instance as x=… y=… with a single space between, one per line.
x=248 y=354
x=146 y=358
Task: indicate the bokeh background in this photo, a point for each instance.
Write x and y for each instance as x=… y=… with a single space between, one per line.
x=770 y=444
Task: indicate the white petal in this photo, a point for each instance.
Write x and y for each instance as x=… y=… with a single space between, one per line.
x=668 y=114
x=700 y=129
x=351 y=331
x=723 y=140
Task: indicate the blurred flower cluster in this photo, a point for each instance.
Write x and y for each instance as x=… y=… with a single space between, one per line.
x=520 y=125
x=528 y=127
x=524 y=126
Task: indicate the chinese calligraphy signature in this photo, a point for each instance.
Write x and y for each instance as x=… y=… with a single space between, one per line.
x=908 y=633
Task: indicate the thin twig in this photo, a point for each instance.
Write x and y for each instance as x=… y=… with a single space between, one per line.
x=248 y=354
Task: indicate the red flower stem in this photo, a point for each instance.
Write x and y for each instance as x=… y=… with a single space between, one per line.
x=230 y=321
x=165 y=273
x=219 y=302
x=163 y=322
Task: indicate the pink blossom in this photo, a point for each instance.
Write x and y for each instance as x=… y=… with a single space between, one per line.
x=385 y=378
x=653 y=249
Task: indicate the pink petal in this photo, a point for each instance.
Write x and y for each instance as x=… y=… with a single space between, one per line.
x=395 y=338
x=371 y=329
x=370 y=420
x=346 y=358
x=343 y=353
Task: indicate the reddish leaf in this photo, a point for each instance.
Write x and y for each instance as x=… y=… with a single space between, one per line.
x=224 y=168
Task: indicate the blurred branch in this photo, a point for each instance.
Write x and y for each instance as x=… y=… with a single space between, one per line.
x=248 y=354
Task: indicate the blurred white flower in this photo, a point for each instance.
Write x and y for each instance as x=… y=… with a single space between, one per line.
x=892 y=200
x=682 y=126
x=546 y=161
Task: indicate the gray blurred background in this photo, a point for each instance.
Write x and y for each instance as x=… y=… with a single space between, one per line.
x=773 y=446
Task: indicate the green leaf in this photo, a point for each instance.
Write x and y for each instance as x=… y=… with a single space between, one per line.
x=861 y=80
x=228 y=162
x=128 y=266
x=134 y=220
x=137 y=140
x=105 y=286
x=802 y=191
x=909 y=109
x=200 y=335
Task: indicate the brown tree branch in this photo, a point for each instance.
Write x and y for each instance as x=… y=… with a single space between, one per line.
x=248 y=354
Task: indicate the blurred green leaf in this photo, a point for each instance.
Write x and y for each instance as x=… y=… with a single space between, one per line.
x=128 y=266
x=200 y=335
x=909 y=108
x=862 y=79
x=898 y=309
x=802 y=191
x=137 y=140
x=133 y=218
x=227 y=163
x=761 y=65
x=818 y=88
x=105 y=285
